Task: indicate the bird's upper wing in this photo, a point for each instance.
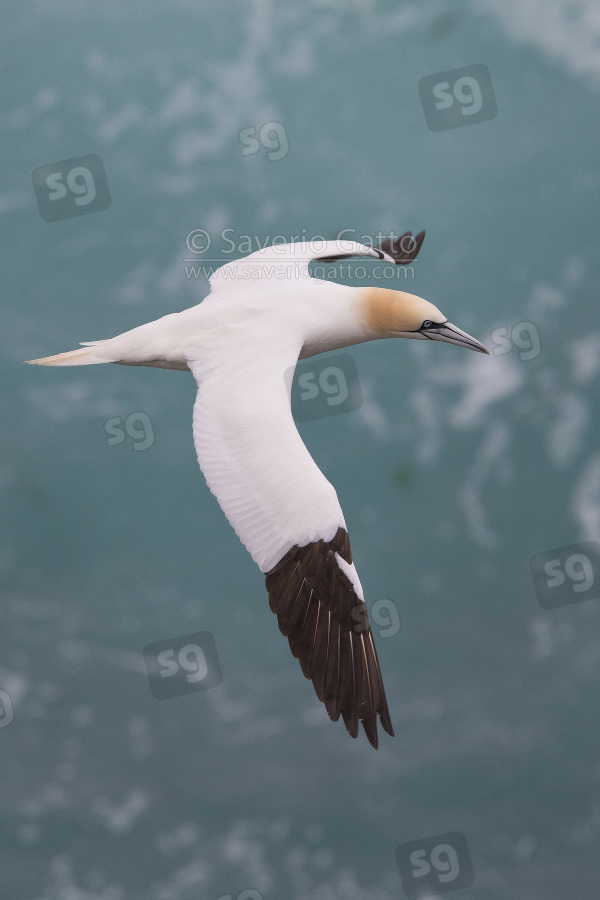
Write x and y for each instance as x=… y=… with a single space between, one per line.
x=292 y=260
x=288 y=516
x=401 y=250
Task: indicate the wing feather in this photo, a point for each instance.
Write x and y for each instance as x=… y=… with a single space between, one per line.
x=288 y=516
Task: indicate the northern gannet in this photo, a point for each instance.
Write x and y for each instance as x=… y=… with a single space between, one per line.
x=263 y=313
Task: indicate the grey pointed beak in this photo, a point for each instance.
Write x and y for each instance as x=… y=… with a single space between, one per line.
x=453 y=335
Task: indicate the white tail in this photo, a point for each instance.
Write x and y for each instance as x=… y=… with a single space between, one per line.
x=85 y=356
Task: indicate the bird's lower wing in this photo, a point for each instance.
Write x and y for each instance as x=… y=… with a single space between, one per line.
x=288 y=516
x=327 y=625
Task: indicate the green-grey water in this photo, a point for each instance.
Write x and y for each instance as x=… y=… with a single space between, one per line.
x=455 y=470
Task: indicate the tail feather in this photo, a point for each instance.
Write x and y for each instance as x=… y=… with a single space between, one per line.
x=85 y=356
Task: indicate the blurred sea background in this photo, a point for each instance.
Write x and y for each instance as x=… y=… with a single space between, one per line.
x=454 y=471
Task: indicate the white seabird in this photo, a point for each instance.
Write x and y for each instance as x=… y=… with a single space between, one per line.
x=263 y=313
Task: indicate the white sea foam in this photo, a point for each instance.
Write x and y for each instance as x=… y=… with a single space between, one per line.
x=566 y=432
x=565 y=32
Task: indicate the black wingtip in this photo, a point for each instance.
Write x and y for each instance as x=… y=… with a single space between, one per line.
x=387 y=726
x=327 y=627
x=371 y=732
x=370 y=729
x=404 y=249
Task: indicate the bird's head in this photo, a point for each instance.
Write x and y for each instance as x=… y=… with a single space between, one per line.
x=392 y=313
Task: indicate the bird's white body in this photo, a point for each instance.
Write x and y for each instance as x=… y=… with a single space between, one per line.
x=324 y=316
x=242 y=344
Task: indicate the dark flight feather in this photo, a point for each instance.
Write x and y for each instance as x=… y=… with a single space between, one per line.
x=328 y=629
x=404 y=249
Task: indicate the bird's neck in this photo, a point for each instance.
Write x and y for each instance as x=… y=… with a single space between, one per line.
x=336 y=320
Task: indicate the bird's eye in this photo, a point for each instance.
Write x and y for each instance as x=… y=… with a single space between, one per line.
x=427 y=324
